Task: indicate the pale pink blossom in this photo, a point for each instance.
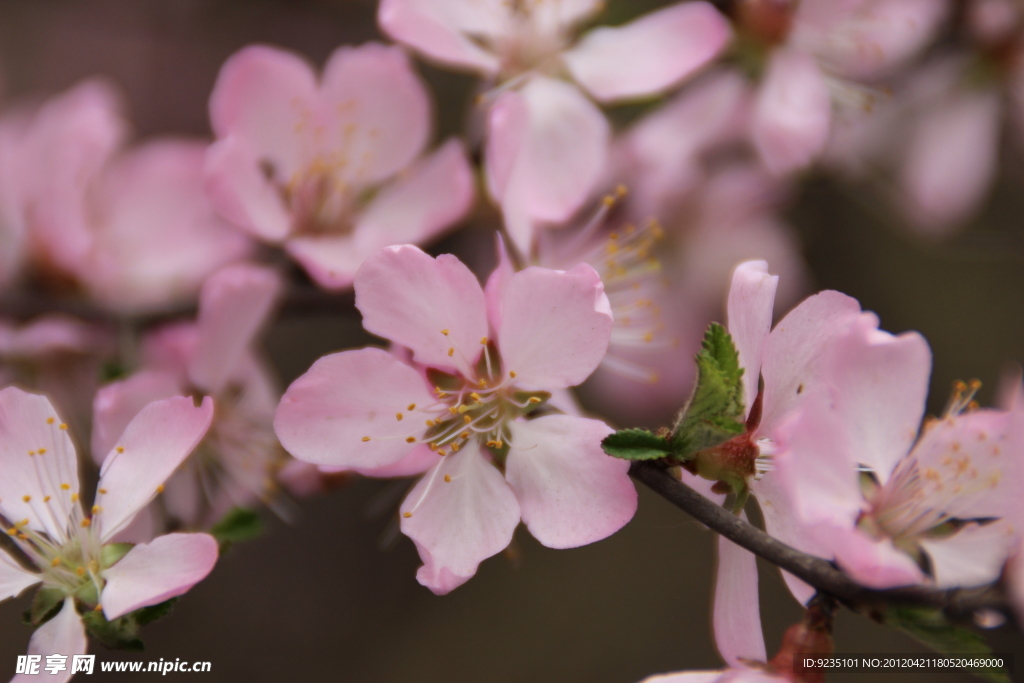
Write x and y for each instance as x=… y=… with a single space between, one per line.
x=332 y=168
x=483 y=361
x=236 y=462
x=546 y=141
x=914 y=517
x=69 y=547
x=132 y=227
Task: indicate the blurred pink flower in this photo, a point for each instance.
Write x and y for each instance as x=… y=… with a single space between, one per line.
x=58 y=356
x=546 y=141
x=816 y=53
x=334 y=170
x=484 y=359
x=132 y=227
x=237 y=461
x=69 y=548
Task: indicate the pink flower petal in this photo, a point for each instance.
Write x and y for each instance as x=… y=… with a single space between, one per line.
x=695 y=677
x=417 y=461
x=874 y=563
x=442 y=30
x=973 y=556
x=161 y=238
x=117 y=404
x=459 y=523
x=267 y=97
x=497 y=281
x=153 y=572
x=37 y=458
x=649 y=54
x=379 y=112
x=970 y=464
x=156 y=441
x=331 y=260
x=881 y=386
x=793 y=112
x=233 y=305
x=430 y=197
x=555 y=326
x=546 y=150
x=737 y=610
x=63 y=635
x=569 y=491
x=751 y=302
x=14 y=579
x=793 y=352
x=325 y=414
x=242 y=193
x=951 y=160
x=434 y=307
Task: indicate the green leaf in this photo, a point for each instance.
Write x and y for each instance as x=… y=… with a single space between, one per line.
x=45 y=605
x=237 y=525
x=119 y=634
x=714 y=413
x=930 y=627
x=636 y=444
x=147 y=615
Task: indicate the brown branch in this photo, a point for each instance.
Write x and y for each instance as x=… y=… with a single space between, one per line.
x=957 y=603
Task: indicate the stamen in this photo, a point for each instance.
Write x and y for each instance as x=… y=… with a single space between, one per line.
x=448 y=478
x=365 y=439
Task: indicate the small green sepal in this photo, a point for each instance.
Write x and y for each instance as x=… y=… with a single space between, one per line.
x=636 y=444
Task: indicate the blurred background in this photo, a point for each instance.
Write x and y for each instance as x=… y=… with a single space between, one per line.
x=333 y=595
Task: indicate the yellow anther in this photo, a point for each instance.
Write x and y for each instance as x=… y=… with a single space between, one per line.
x=959 y=386
x=463 y=408
x=448 y=478
x=534 y=399
x=512 y=374
x=442 y=452
x=80 y=570
x=398 y=416
x=54 y=562
x=491 y=444
x=120 y=449
x=453 y=410
x=467 y=419
x=12 y=531
x=974 y=384
x=42 y=451
x=411 y=406
x=499 y=443
x=475 y=396
x=86 y=523
x=102 y=491
x=96 y=509
x=445 y=332
x=410 y=439
x=649 y=337
x=483 y=340
x=429 y=423
x=74 y=497
x=23 y=537
x=26 y=498
x=98 y=608
x=451 y=352
x=46 y=499
x=365 y=439
x=65 y=486
x=407 y=515
x=464 y=435
x=31 y=452
x=482 y=383
x=621 y=190
x=433 y=445
x=608 y=201
x=50 y=420
x=455 y=447
x=63 y=426
x=159 y=488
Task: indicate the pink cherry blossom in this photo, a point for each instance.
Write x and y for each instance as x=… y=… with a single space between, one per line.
x=237 y=461
x=68 y=546
x=546 y=141
x=130 y=226
x=925 y=491
x=331 y=168
x=482 y=363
